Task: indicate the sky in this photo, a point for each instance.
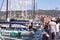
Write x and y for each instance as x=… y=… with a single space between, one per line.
x=48 y=4
x=26 y=5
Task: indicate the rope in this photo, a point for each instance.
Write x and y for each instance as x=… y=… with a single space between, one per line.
x=1 y=5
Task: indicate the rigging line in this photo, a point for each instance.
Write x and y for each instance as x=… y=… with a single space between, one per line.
x=1 y=5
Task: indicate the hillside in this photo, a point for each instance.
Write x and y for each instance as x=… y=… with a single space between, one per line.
x=46 y=12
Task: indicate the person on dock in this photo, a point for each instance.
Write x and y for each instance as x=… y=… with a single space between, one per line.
x=37 y=33
x=57 y=28
x=52 y=29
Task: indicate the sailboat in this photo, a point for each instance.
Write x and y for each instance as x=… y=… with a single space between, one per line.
x=8 y=33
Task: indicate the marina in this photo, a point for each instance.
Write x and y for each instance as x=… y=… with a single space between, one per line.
x=24 y=20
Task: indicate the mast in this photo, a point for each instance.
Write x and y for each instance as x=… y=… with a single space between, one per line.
x=10 y=7
x=33 y=9
x=26 y=10
x=7 y=10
